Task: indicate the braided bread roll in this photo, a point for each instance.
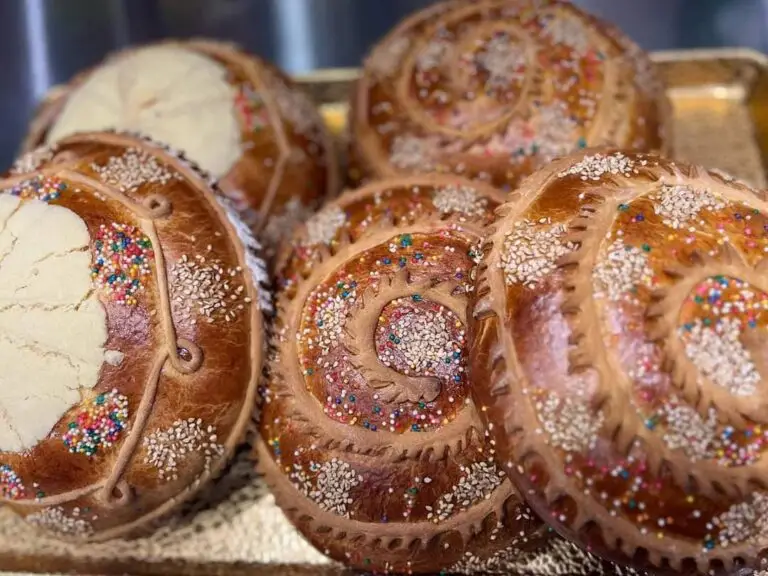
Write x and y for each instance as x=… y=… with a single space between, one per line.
x=369 y=439
x=619 y=349
x=234 y=115
x=494 y=89
x=132 y=334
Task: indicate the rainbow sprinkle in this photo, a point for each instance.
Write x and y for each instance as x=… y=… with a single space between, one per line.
x=10 y=484
x=43 y=188
x=251 y=108
x=99 y=423
x=122 y=257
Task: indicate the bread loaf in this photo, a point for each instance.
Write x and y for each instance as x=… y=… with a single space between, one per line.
x=618 y=354
x=369 y=439
x=132 y=337
x=239 y=118
x=494 y=89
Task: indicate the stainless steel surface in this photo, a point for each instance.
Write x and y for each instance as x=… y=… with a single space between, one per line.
x=43 y=42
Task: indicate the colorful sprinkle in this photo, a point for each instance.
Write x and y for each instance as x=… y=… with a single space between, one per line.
x=11 y=486
x=99 y=424
x=45 y=188
x=122 y=257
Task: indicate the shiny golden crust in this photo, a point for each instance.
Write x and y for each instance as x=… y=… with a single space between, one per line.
x=619 y=351
x=288 y=165
x=369 y=439
x=190 y=315
x=494 y=89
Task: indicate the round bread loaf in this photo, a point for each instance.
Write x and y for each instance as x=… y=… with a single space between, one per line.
x=237 y=117
x=131 y=334
x=370 y=441
x=493 y=89
x=619 y=355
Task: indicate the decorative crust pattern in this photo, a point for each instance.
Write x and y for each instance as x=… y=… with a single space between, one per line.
x=160 y=421
x=493 y=90
x=287 y=165
x=368 y=436
x=626 y=385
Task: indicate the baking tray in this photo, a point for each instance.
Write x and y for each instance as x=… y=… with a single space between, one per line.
x=720 y=101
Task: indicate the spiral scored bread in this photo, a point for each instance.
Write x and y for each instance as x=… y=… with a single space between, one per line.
x=494 y=89
x=132 y=335
x=618 y=348
x=369 y=439
x=240 y=119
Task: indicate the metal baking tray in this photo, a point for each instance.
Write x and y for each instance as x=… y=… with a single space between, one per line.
x=720 y=101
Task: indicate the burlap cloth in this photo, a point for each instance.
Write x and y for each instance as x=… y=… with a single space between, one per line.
x=235 y=526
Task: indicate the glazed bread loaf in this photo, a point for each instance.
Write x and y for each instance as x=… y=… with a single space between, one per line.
x=494 y=89
x=369 y=439
x=618 y=348
x=234 y=115
x=132 y=337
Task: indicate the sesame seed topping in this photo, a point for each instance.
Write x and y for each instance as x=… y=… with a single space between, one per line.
x=621 y=271
x=568 y=30
x=328 y=485
x=33 y=159
x=571 y=422
x=413 y=153
x=323 y=226
x=421 y=337
x=55 y=519
x=167 y=450
x=133 y=169
x=206 y=287
x=503 y=60
x=686 y=430
x=531 y=250
x=478 y=482
x=716 y=350
x=678 y=205
x=743 y=522
x=459 y=199
x=595 y=167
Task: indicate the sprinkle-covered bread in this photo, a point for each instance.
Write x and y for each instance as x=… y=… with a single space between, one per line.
x=369 y=438
x=619 y=354
x=131 y=334
x=237 y=117
x=494 y=89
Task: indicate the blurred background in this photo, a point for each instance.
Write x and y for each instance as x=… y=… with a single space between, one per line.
x=45 y=42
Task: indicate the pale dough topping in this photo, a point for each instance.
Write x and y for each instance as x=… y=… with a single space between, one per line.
x=52 y=326
x=173 y=95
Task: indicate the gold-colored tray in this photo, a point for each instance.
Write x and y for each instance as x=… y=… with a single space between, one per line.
x=720 y=100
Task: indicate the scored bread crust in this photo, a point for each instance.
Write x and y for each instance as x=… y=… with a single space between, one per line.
x=382 y=469
x=188 y=365
x=287 y=165
x=495 y=89
x=617 y=354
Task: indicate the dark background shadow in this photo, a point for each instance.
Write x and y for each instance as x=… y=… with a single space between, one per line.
x=44 y=42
